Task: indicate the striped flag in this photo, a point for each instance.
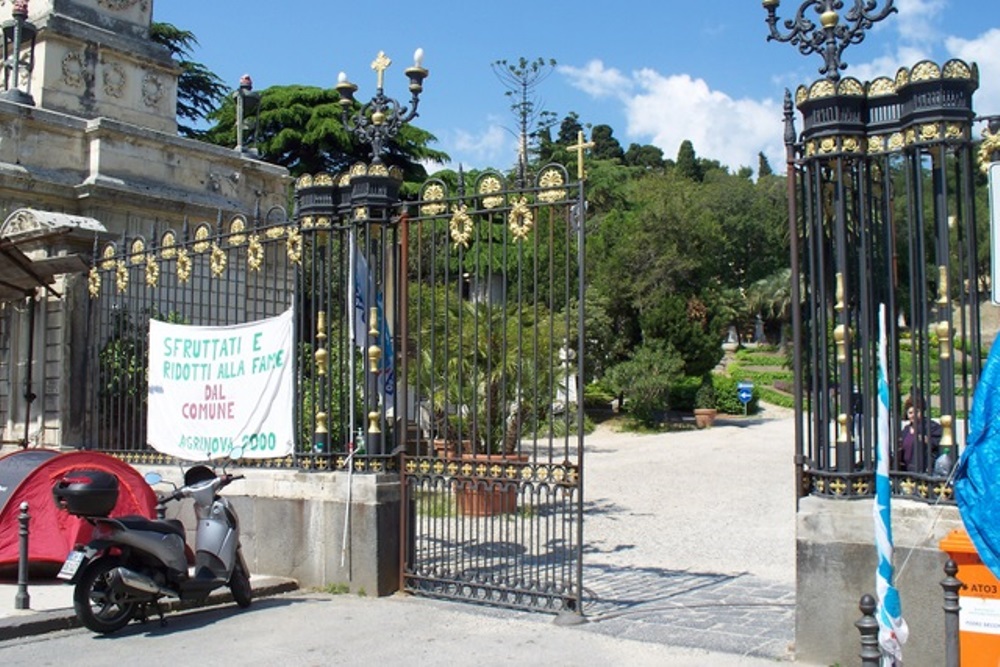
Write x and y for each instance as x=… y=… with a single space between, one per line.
x=892 y=631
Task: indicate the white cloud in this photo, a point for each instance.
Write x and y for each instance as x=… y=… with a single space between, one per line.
x=491 y=146
x=673 y=108
x=917 y=20
x=915 y=25
x=666 y=110
x=985 y=52
x=597 y=80
x=888 y=65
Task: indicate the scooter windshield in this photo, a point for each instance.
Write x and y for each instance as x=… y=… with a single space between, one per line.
x=198 y=474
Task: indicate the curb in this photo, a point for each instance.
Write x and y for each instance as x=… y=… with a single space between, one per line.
x=43 y=622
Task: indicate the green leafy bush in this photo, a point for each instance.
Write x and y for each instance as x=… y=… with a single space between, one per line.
x=758 y=358
x=561 y=427
x=705 y=397
x=775 y=397
x=597 y=395
x=646 y=378
x=682 y=393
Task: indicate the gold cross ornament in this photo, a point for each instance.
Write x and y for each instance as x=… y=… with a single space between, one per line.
x=380 y=65
x=579 y=148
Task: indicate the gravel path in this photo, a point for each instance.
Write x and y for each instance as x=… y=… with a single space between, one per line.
x=690 y=535
x=718 y=500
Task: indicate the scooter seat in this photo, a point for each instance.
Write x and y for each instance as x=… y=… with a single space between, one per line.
x=164 y=526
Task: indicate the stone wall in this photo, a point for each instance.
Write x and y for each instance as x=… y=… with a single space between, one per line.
x=121 y=174
x=836 y=566
x=292 y=525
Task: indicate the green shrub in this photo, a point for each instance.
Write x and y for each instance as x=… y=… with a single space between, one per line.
x=645 y=380
x=748 y=374
x=705 y=397
x=682 y=393
x=597 y=395
x=774 y=397
x=965 y=345
x=561 y=428
x=759 y=358
x=337 y=589
x=435 y=504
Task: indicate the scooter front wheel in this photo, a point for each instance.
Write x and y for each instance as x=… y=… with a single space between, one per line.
x=239 y=585
x=98 y=605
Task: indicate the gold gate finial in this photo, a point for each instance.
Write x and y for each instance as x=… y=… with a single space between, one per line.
x=581 y=146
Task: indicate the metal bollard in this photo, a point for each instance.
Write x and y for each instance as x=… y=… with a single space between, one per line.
x=22 y=600
x=951 y=586
x=868 y=627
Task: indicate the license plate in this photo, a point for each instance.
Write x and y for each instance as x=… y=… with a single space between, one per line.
x=72 y=564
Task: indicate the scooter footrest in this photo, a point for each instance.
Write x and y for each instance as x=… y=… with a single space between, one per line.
x=199 y=588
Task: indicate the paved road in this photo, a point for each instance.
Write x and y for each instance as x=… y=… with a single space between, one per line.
x=346 y=630
x=691 y=536
x=690 y=560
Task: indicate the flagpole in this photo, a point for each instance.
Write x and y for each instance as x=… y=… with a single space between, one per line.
x=351 y=307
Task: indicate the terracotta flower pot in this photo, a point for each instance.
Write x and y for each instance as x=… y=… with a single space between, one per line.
x=488 y=495
x=451 y=449
x=704 y=417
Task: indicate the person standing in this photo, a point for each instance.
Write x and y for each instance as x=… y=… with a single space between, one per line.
x=919 y=431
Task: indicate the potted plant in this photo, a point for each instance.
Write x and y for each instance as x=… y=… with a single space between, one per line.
x=471 y=363
x=704 y=403
x=453 y=435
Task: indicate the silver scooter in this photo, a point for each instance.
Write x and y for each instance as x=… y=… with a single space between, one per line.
x=132 y=562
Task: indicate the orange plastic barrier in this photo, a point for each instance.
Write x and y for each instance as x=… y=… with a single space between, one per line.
x=979 y=598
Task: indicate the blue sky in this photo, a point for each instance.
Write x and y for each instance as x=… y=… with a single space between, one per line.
x=656 y=72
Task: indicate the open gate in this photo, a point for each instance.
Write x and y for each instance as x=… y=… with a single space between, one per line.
x=493 y=462
x=441 y=337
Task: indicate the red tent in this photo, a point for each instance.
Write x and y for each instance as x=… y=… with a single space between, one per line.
x=28 y=476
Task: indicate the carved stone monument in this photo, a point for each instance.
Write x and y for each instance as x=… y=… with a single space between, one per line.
x=94 y=59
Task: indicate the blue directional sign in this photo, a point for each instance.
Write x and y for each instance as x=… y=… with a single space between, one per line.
x=744 y=392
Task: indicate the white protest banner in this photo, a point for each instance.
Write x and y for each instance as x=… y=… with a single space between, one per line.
x=215 y=388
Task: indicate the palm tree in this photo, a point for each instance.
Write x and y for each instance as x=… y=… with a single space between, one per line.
x=486 y=367
x=771 y=299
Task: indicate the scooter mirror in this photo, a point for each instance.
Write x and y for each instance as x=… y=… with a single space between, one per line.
x=236 y=453
x=153 y=478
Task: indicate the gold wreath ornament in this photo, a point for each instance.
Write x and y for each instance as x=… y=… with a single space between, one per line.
x=460 y=226
x=521 y=220
x=218 y=261
x=152 y=271
x=989 y=146
x=294 y=246
x=183 y=265
x=255 y=253
x=94 y=282
x=121 y=276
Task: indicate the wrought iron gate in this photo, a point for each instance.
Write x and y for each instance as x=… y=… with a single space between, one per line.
x=492 y=469
x=441 y=336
